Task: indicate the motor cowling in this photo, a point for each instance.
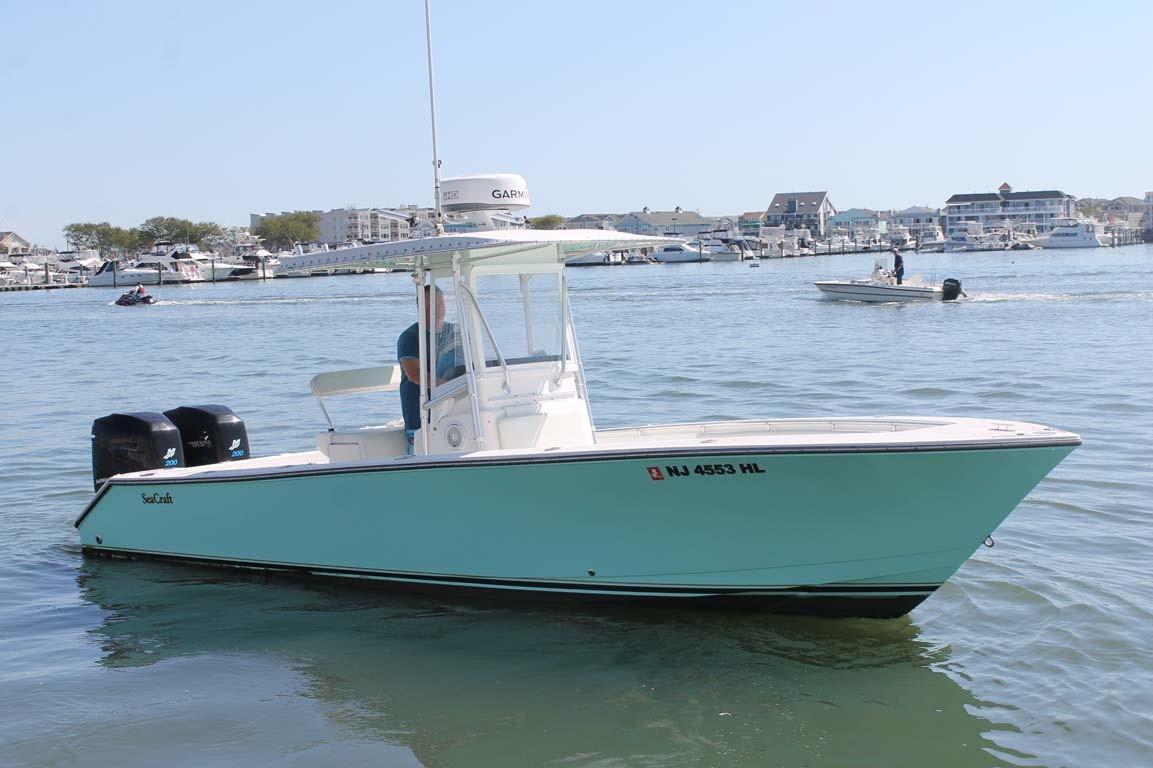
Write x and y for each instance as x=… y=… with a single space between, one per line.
x=950 y=289
x=132 y=442
x=210 y=434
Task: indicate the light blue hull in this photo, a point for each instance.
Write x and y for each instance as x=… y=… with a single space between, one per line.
x=860 y=533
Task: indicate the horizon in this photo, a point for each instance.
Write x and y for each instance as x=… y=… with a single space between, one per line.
x=216 y=112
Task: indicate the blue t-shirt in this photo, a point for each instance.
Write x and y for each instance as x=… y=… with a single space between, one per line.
x=408 y=346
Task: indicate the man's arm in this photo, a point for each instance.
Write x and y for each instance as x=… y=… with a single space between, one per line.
x=411 y=368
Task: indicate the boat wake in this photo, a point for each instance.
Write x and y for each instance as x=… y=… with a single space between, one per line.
x=1096 y=296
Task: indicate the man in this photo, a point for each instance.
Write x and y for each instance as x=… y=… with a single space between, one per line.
x=898 y=266
x=408 y=353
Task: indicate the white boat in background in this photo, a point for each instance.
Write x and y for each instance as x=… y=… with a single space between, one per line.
x=597 y=259
x=1071 y=233
x=931 y=239
x=679 y=253
x=900 y=238
x=881 y=286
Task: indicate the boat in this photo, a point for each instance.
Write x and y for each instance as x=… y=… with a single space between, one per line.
x=1071 y=233
x=882 y=286
x=512 y=490
x=930 y=239
x=678 y=253
x=900 y=238
x=164 y=263
x=507 y=488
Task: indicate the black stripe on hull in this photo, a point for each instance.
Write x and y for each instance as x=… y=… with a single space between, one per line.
x=880 y=601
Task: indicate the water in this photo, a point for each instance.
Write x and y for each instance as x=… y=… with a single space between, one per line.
x=1035 y=654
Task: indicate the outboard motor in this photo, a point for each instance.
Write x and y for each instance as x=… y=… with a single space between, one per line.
x=131 y=442
x=210 y=434
x=950 y=289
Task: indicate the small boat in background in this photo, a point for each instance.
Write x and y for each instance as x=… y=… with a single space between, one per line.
x=882 y=286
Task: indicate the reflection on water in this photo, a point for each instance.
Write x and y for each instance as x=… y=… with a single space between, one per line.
x=467 y=684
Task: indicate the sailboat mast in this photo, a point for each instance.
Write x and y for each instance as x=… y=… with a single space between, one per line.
x=438 y=222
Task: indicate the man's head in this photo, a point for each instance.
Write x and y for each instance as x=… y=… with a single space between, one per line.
x=433 y=297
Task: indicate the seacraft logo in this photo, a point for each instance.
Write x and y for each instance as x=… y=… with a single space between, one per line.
x=156 y=498
x=509 y=194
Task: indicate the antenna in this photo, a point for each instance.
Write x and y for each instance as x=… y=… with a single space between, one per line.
x=438 y=217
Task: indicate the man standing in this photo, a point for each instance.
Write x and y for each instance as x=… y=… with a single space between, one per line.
x=898 y=266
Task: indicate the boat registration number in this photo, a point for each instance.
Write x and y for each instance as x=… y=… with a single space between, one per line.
x=705 y=470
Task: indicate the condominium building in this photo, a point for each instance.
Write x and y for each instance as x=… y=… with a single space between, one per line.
x=1025 y=211
x=1149 y=212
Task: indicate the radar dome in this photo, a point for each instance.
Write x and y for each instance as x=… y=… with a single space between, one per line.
x=486 y=192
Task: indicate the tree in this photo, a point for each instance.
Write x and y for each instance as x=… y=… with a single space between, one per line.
x=108 y=240
x=287 y=229
x=551 y=221
x=178 y=230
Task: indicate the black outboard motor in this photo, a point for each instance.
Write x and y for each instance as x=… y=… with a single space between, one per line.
x=131 y=442
x=210 y=434
x=950 y=289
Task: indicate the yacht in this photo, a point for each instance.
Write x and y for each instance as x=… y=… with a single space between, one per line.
x=1071 y=233
x=679 y=253
x=900 y=238
x=931 y=239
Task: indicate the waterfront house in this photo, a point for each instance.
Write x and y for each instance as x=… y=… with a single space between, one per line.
x=750 y=223
x=11 y=243
x=592 y=221
x=796 y=210
x=1023 y=211
x=915 y=218
x=1149 y=216
x=674 y=223
x=1123 y=210
x=855 y=221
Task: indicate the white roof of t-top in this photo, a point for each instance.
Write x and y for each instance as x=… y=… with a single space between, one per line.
x=518 y=244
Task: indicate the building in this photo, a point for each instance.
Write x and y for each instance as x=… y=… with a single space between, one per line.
x=1123 y=210
x=797 y=210
x=855 y=221
x=12 y=243
x=1022 y=211
x=592 y=221
x=750 y=223
x=365 y=225
x=675 y=223
x=915 y=218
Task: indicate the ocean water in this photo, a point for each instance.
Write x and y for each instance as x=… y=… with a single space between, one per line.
x=1037 y=653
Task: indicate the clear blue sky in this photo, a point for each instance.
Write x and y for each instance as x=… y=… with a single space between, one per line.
x=119 y=111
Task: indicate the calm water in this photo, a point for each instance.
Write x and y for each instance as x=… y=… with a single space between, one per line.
x=1037 y=653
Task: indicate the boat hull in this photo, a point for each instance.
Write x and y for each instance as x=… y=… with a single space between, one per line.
x=853 y=533
x=868 y=292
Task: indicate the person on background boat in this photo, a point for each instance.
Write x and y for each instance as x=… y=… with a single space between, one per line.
x=448 y=355
x=898 y=266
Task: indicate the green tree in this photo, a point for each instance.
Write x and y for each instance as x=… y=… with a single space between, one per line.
x=289 y=228
x=550 y=221
x=178 y=230
x=108 y=240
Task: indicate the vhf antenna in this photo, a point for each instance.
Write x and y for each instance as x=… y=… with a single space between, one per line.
x=438 y=216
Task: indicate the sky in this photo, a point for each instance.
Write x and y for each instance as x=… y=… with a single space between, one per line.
x=122 y=110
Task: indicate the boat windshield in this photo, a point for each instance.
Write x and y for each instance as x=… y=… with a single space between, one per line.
x=525 y=316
